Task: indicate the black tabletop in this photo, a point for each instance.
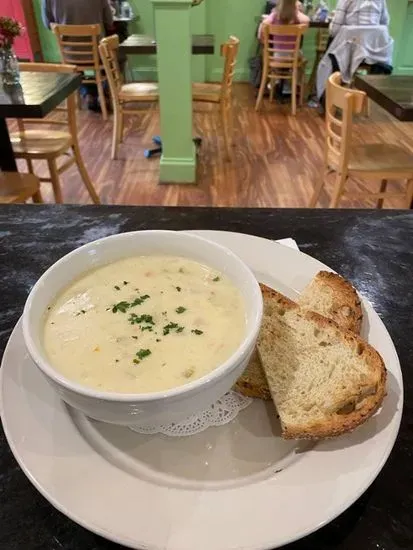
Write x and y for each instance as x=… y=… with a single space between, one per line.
x=372 y=248
x=392 y=92
x=202 y=44
x=37 y=94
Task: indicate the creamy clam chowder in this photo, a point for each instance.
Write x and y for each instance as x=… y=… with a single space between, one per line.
x=144 y=324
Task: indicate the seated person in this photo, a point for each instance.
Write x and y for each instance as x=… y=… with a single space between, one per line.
x=286 y=12
x=356 y=13
x=359 y=13
x=80 y=12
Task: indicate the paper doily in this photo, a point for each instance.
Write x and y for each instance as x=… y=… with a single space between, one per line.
x=221 y=412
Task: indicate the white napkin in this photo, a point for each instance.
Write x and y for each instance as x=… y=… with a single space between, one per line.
x=288 y=242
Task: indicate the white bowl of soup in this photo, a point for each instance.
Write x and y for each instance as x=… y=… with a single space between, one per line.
x=143 y=328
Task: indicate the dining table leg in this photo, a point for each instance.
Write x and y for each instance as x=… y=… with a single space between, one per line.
x=7 y=160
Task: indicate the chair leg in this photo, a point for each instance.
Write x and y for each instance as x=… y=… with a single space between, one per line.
x=302 y=87
x=121 y=128
x=409 y=194
x=262 y=90
x=272 y=90
x=383 y=187
x=37 y=197
x=30 y=166
x=311 y=82
x=55 y=179
x=102 y=97
x=84 y=175
x=117 y=121
x=294 y=93
x=230 y=119
x=317 y=191
x=224 y=123
x=338 y=191
x=366 y=111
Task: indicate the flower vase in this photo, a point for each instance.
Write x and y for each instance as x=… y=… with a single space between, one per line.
x=9 y=67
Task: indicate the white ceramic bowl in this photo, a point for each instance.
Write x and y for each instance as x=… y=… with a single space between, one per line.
x=149 y=408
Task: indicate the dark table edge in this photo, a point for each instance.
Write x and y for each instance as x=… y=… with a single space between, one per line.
x=402 y=114
x=40 y=111
x=152 y=49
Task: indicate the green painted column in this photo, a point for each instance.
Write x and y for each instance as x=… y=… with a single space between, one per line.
x=174 y=51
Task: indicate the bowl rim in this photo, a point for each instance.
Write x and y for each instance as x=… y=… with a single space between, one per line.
x=199 y=384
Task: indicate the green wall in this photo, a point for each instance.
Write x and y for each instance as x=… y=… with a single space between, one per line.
x=239 y=17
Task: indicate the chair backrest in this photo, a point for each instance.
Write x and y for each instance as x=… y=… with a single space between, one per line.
x=282 y=45
x=229 y=50
x=78 y=45
x=108 y=49
x=341 y=104
x=68 y=108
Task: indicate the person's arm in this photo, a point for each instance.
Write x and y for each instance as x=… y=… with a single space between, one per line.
x=267 y=20
x=302 y=17
x=47 y=14
x=107 y=16
x=339 y=17
x=384 y=17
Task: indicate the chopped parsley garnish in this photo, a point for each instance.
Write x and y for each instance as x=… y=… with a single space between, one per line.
x=142 y=353
x=120 y=306
x=125 y=282
x=197 y=331
x=180 y=309
x=135 y=337
x=82 y=311
x=148 y=327
x=158 y=339
x=178 y=288
x=172 y=326
x=117 y=287
x=116 y=360
x=216 y=279
x=138 y=319
x=136 y=361
x=139 y=301
x=181 y=270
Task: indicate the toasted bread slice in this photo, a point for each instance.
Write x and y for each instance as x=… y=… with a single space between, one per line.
x=325 y=381
x=252 y=382
x=329 y=295
x=335 y=298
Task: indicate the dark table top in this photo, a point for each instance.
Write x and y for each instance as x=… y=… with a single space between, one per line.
x=392 y=92
x=202 y=44
x=372 y=248
x=37 y=95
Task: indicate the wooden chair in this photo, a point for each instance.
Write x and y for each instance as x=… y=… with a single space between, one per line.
x=15 y=187
x=322 y=37
x=122 y=94
x=282 y=60
x=377 y=161
x=221 y=94
x=40 y=143
x=78 y=46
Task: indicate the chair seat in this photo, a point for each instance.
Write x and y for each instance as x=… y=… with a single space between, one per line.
x=206 y=92
x=380 y=157
x=139 y=91
x=40 y=142
x=15 y=187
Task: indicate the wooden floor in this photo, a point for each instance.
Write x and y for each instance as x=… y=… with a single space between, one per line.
x=277 y=158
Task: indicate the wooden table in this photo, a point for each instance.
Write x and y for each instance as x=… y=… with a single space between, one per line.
x=35 y=97
x=140 y=44
x=394 y=93
x=360 y=244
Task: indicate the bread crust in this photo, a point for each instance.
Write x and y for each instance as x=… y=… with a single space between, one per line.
x=338 y=423
x=346 y=308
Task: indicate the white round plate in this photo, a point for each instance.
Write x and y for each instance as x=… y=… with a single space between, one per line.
x=234 y=487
